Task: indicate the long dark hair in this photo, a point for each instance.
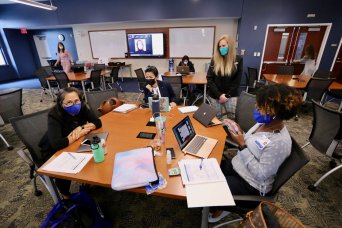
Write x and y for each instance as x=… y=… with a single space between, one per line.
x=63 y=49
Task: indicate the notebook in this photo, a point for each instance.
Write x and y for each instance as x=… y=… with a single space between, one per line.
x=206 y=115
x=163 y=104
x=125 y=108
x=190 y=142
x=183 y=70
x=86 y=148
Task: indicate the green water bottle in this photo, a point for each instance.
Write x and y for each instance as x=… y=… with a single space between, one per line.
x=97 y=149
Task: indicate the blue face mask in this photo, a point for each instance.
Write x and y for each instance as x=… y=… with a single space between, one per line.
x=224 y=51
x=260 y=118
x=73 y=109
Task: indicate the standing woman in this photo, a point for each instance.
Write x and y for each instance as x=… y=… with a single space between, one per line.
x=308 y=60
x=224 y=75
x=64 y=57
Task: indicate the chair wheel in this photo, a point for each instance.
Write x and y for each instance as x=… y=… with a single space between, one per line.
x=332 y=164
x=10 y=148
x=312 y=188
x=41 y=100
x=38 y=193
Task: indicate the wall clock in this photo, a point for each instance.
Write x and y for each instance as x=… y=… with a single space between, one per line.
x=61 y=37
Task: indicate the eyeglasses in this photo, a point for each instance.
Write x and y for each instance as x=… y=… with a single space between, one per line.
x=70 y=102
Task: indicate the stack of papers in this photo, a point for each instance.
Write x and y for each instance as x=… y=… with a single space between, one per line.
x=188 y=109
x=205 y=184
x=68 y=162
x=125 y=108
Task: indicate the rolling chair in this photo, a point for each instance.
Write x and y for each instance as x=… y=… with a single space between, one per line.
x=114 y=78
x=95 y=98
x=316 y=88
x=95 y=79
x=176 y=84
x=37 y=123
x=252 y=83
x=99 y=66
x=326 y=134
x=285 y=69
x=141 y=80
x=10 y=106
x=62 y=79
x=42 y=74
x=290 y=166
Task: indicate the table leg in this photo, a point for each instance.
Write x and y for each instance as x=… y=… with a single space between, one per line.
x=205 y=214
x=84 y=91
x=205 y=93
x=50 y=88
x=121 y=69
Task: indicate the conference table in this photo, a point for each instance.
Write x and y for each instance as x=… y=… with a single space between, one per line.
x=197 y=78
x=123 y=130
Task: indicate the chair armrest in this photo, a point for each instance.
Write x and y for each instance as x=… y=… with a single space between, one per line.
x=25 y=156
x=253 y=198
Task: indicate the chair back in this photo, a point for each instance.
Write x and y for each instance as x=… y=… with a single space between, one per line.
x=62 y=79
x=141 y=78
x=99 y=66
x=95 y=78
x=326 y=126
x=10 y=104
x=252 y=77
x=115 y=73
x=176 y=84
x=244 y=111
x=42 y=75
x=285 y=69
x=321 y=74
x=95 y=98
x=30 y=129
x=316 y=87
x=290 y=166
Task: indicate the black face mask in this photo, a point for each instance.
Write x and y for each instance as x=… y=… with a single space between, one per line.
x=150 y=82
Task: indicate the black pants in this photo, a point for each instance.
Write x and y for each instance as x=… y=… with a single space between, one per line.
x=63 y=186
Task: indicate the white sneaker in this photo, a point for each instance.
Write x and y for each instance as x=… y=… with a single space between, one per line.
x=222 y=215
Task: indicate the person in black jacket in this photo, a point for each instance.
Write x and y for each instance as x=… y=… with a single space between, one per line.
x=68 y=120
x=154 y=86
x=224 y=75
x=186 y=62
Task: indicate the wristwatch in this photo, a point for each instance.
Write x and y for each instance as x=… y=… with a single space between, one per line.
x=82 y=127
x=242 y=147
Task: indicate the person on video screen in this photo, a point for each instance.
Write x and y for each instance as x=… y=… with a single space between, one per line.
x=140 y=46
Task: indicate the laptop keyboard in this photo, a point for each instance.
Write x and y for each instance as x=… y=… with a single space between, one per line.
x=196 y=144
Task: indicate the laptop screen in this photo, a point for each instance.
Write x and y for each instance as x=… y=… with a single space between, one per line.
x=184 y=132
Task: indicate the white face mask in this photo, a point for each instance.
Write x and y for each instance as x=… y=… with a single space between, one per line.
x=185 y=62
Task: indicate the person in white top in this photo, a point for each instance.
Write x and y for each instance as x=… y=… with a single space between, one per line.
x=308 y=60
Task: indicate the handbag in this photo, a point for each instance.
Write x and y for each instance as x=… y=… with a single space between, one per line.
x=269 y=215
x=110 y=104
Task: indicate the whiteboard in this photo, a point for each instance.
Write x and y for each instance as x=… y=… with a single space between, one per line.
x=194 y=42
x=108 y=44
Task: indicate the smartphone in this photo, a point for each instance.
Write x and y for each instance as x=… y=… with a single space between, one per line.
x=86 y=142
x=146 y=135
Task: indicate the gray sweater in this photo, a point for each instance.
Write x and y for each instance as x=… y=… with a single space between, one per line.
x=259 y=166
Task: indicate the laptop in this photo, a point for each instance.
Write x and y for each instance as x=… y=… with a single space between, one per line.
x=190 y=142
x=183 y=70
x=78 y=68
x=87 y=148
x=206 y=115
x=164 y=104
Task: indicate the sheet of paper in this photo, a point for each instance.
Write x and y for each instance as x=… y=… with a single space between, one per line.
x=188 y=109
x=208 y=195
x=68 y=162
x=125 y=108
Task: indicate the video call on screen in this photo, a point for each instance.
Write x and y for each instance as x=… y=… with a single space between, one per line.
x=184 y=131
x=145 y=44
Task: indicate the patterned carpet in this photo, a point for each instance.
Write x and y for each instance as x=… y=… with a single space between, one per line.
x=20 y=208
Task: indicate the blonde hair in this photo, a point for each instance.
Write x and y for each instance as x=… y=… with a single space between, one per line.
x=225 y=64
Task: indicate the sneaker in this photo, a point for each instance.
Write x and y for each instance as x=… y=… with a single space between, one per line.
x=222 y=215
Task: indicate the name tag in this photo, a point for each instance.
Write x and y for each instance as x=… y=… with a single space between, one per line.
x=262 y=142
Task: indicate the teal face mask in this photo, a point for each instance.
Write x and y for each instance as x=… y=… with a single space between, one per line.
x=224 y=51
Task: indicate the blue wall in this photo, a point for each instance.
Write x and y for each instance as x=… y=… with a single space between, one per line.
x=6 y=72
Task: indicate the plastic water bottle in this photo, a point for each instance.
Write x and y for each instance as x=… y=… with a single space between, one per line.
x=155 y=106
x=96 y=147
x=171 y=63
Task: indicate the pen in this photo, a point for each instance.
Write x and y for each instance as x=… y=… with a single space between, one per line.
x=186 y=172
x=201 y=165
x=71 y=155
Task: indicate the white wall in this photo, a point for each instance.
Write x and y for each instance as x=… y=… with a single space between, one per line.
x=223 y=26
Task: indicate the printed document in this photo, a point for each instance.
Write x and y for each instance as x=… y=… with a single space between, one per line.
x=188 y=109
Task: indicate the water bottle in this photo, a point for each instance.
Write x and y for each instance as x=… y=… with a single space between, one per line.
x=97 y=149
x=171 y=62
x=155 y=106
x=168 y=157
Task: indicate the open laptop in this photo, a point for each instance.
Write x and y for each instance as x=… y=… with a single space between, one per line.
x=206 y=115
x=183 y=70
x=190 y=142
x=163 y=103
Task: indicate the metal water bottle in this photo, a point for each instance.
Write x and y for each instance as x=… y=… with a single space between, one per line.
x=97 y=149
x=171 y=64
x=155 y=106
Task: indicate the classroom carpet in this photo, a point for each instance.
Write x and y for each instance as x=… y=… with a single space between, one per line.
x=20 y=208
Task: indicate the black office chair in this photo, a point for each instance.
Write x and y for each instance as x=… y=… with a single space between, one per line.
x=95 y=98
x=30 y=129
x=325 y=135
x=285 y=69
x=114 y=78
x=321 y=74
x=333 y=95
x=141 y=79
x=316 y=88
x=245 y=203
x=176 y=84
x=42 y=73
x=252 y=82
x=95 y=80
x=62 y=79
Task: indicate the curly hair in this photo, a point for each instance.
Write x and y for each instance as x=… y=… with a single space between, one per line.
x=278 y=100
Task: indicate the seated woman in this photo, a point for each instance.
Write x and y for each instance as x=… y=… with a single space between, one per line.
x=186 y=62
x=263 y=148
x=154 y=86
x=68 y=120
